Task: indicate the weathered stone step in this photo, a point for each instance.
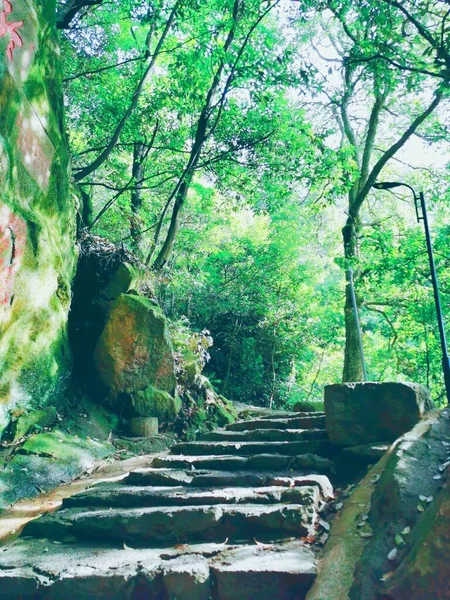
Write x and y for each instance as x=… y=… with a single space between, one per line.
x=248 y=410
x=321 y=447
x=115 y=496
x=292 y=415
x=259 y=462
x=264 y=435
x=33 y=569
x=216 y=479
x=313 y=422
x=148 y=526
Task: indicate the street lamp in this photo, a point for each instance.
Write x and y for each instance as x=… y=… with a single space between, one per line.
x=422 y=215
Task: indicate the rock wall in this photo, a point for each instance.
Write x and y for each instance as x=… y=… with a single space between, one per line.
x=391 y=539
x=37 y=211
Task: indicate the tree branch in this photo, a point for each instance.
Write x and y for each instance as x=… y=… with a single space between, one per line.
x=70 y=10
x=84 y=172
x=356 y=205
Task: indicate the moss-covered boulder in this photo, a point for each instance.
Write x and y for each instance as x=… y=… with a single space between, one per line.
x=155 y=403
x=304 y=406
x=127 y=277
x=37 y=213
x=134 y=360
x=24 y=422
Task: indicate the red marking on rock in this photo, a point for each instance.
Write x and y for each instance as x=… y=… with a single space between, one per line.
x=10 y=28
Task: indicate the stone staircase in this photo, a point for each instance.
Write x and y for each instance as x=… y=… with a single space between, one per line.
x=230 y=516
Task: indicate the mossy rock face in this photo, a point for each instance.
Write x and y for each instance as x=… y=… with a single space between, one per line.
x=391 y=539
x=37 y=218
x=45 y=461
x=62 y=446
x=127 y=277
x=25 y=422
x=152 y=402
x=134 y=360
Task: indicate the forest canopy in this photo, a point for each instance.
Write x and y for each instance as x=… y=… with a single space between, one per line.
x=232 y=145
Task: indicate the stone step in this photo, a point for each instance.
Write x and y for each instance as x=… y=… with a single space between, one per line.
x=259 y=462
x=250 y=411
x=264 y=435
x=321 y=447
x=217 y=479
x=33 y=569
x=313 y=422
x=149 y=526
x=292 y=415
x=115 y=496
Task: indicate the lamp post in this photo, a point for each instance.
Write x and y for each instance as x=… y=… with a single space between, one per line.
x=422 y=215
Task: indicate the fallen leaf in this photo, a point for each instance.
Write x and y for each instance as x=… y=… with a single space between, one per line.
x=361 y=524
x=366 y=534
x=310 y=539
x=406 y=531
x=399 y=541
x=420 y=508
x=324 y=524
x=263 y=546
x=392 y=554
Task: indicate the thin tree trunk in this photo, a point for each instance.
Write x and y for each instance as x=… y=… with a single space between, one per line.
x=202 y=134
x=226 y=381
x=272 y=365
x=136 y=196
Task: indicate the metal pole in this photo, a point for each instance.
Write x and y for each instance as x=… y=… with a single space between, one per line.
x=358 y=325
x=437 y=300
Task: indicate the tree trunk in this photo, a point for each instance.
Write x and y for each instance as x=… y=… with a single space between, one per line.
x=353 y=370
x=37 y=213
x=166 y=250
x=136 y=223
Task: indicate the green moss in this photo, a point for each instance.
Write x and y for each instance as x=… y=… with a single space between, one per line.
x=153 y=402
x=61 y=446
x=34 y=354
x=25 y=422
x=308 y=406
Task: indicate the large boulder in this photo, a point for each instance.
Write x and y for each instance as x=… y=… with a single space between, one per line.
x=134 y=360
x=359 y=413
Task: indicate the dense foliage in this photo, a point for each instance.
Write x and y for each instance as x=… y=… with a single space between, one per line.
x=233 y=146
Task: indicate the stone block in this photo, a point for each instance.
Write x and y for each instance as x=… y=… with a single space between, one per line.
x=143 y=426
x=359 y=413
